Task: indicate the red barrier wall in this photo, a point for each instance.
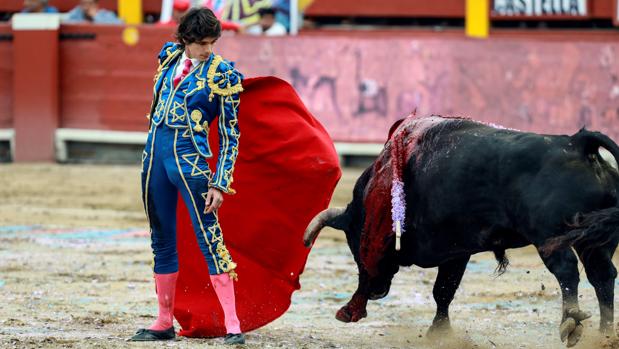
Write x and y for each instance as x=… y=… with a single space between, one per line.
x=358 y=84
x=548 y=83
x=105 y=83
x=35 y=98
x=6 y=76
x=602 y=8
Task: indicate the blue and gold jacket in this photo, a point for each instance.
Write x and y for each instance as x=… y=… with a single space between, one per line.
x=211 y=89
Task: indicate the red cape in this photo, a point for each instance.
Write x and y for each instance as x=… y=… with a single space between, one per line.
x=285 y=174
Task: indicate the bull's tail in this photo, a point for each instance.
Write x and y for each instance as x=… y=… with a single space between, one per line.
x=502 y=261
x=337 y=218
x=590 y=230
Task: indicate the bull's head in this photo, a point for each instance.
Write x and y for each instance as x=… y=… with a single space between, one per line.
x=371 y=285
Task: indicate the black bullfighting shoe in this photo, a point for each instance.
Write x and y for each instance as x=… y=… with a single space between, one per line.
x=146 y=335
x=234 y=338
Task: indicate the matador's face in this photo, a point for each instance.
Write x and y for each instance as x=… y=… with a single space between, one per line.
x=200 y=50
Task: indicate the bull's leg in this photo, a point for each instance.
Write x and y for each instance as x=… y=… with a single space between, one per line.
x=355 y=309
x=447 y=282
x=564 y=266
x=373 y=288
x=601 y=274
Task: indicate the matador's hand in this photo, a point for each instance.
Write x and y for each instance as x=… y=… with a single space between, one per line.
x=214 y=199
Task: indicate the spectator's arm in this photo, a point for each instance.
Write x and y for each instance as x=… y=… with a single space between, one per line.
x=253 y=30
x=277 y=29
x=225 y=25
x=106 y=17
x=75 y=16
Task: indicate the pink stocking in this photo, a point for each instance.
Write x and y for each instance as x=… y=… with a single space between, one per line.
x=224 y=287
x=166 y=286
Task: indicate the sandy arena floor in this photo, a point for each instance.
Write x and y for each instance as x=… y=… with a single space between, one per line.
x=68 y=281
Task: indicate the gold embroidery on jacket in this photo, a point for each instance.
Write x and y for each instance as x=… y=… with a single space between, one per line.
x=176 y=116
x=212 y=73
x=196 y=116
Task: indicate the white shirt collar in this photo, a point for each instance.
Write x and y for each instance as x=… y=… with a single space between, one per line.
x=194 y=61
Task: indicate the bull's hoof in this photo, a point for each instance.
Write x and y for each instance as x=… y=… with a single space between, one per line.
x=607 y=330
x=571 y=328
x=347 y=314
x=439 y=329
x=574 y=337
x=566 y=328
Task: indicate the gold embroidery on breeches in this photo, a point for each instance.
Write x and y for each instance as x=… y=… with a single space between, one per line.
x=193 y=172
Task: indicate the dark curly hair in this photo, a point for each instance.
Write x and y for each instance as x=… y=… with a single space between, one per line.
x=197 y=24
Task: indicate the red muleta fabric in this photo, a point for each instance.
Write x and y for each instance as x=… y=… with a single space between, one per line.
x=285 y=174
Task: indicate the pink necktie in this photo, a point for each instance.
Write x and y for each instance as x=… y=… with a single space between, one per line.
x=184 y=73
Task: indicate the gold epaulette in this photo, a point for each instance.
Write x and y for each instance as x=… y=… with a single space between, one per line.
x=171 y=54
x=223 y=87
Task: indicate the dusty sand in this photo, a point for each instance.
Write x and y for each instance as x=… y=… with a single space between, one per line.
x=83 y=290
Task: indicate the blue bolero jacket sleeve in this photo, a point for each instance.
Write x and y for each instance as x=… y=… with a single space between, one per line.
x=225 y=83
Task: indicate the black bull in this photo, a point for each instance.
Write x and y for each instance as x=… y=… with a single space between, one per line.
x=471 y=188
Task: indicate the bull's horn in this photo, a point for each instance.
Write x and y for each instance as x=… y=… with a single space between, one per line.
x=319 y=222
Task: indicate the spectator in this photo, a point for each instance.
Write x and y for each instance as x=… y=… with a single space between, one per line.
x=89 y=11
x=38 y=6
x=179 y=8
x=267 y=25
x=282 y=12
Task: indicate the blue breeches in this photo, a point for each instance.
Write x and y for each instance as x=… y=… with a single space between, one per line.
x=170 y=164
